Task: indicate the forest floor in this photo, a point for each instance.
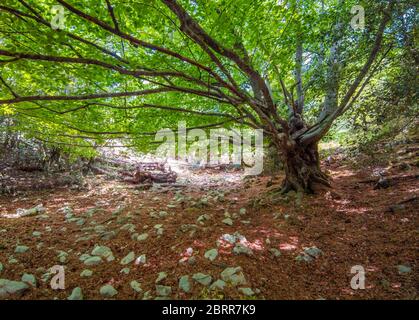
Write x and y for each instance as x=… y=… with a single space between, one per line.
x=351 y=224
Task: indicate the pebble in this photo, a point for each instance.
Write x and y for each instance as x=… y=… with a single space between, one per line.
x=29 y=279
x=125 y=270
x=9 y=288
x=76 y=294
x=141 y=259
x=184 y=283
x=21 y=249
x=247 y=291
x=86 y=273
x=92 y=261
x=142 y=236
x=242 y=249
x=404 y=269
x=218 y=284
x=108 y=291
x=228 y=221
x=104 y=252
x=211 y=254
x=161 y=277
x=130 y=257
x=136 y=286
x=234 y=275
x=202 y=278
x=163 y=291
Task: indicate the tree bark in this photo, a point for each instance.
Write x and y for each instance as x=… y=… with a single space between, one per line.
x=302 y=169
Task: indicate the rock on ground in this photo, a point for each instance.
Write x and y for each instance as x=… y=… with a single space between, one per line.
x=76 y=294
x=12 y=288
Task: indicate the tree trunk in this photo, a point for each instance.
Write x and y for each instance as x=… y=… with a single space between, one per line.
x=302 y=169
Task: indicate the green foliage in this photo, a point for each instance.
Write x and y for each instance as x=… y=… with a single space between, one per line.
x=268 y=32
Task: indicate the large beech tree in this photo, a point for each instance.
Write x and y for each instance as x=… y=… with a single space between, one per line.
x=126 y=68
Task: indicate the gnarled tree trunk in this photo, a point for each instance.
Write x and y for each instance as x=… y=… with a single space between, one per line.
x=302 y=169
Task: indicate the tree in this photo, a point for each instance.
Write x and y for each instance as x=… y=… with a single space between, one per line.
x=124 y=69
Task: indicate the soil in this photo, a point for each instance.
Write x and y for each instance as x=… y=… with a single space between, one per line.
x=351 y=223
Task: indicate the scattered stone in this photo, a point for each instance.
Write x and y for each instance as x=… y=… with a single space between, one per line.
x=86 y=273
x=188 y=227
x=233 y=275
x=29 y=278
x=136 y=286
x=163 y=214
x=128 y=227
x=309 y=254
x=84 y=256
x=10 y=288
x=147 y=295
x=130 y=257
x=12 y=260
x=30 y=212
x=229 y=238
x=202 y=278
x=228 y=221
x=62 y=256
x=76 y=294
x=202 y=218
x=125 y=270
x=46 y=276
x=134 y=236
x=141 y=260
x=313 y=251
x=161 y=277
x=303 y=257
x=104 y=252
x=247 y=291
x=36 y=234
x=92 y=261
x=142 y=237
x=106 y=236
x=242 y=211
x=83 y=238
x=184 y=283
x=99 y=228
x=21 y=249
x=404 y=269
x=1 y=267
x=242 y=249
x=163 y=291
x=108 y=291
x=211 y=254
x=218 y=285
